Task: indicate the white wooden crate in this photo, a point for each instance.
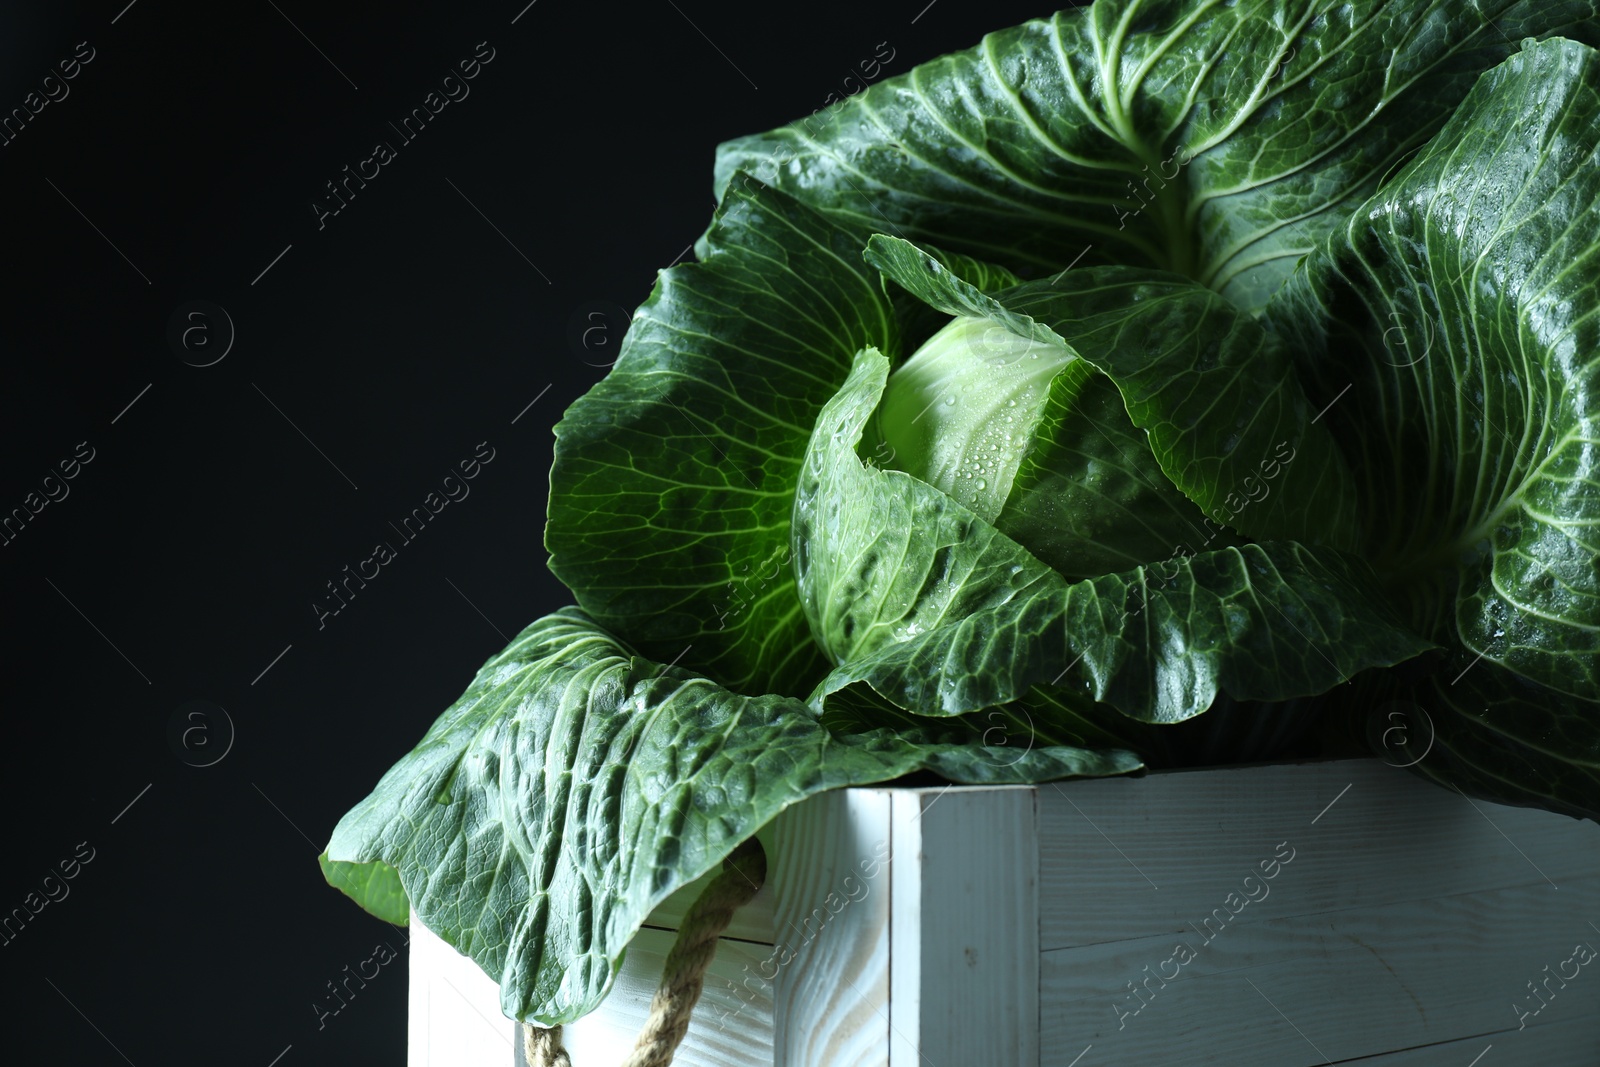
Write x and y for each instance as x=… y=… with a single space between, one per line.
x=1402 y=926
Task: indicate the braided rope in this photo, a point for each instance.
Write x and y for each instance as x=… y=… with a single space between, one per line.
x=682 y=976
x=542 y=1048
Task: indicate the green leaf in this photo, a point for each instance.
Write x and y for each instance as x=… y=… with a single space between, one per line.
x=917 y=320
x=979 y=274
x=1497 y=735
x=375 y=886
x=1226 y=417
x=924 y=273
x=673 y=476
x=576 y=785
x=1218 y=138
x=1459 y=309
x=1007 y=741
x=937 y=611
x=994 y=748
x=1090 y=498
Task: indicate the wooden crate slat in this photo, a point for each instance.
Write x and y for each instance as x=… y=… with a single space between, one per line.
x=830 y=962
x=964 y=971
x=1196 y=834
x=1355 y=982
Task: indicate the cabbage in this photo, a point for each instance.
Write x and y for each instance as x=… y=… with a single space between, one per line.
x=1124 y=391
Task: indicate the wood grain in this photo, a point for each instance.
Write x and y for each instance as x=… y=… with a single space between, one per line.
x=1335 y=985
x=1574 y=1043
x=964 y=972
x=1106 y=844
x=832 y=894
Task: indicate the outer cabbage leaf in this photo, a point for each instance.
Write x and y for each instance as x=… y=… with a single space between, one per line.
x=375 y=886
x=924 y=273
x=1001 y=742
x=1012 y=744
x=576 y=785
x=1460 y=309
x=1494 y=734
x=1218 y=138
x=937 y=611
x=1090 y=498
x=980 y=274
x=918 y=320
x=673 y=476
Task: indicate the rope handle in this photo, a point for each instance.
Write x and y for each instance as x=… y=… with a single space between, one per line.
x=682 y=976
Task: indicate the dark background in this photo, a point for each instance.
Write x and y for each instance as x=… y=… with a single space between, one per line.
x=443 y=307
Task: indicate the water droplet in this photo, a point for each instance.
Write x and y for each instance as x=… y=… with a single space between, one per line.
x=984 y=485
x=950 y=401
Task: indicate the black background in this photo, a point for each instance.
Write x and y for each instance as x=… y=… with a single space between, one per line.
x=369 y=359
